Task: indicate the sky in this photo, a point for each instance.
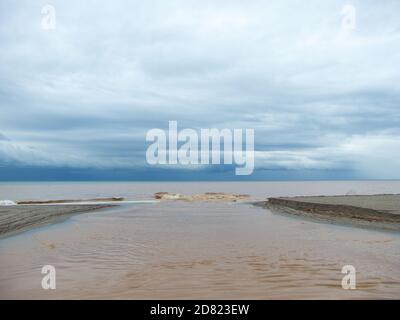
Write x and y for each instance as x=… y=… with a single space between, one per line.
x=322 y=95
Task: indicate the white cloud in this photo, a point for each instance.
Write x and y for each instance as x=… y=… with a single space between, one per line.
x=111 y=71
x=372 y=156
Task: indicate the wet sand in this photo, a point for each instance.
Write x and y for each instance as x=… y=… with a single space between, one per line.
x=372 y=211
x=21 y=218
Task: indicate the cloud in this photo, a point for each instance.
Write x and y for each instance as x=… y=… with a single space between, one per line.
x=20 y=154
x=374 y=156
x=86 y=93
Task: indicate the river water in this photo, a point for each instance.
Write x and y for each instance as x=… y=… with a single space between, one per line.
x=181 y=250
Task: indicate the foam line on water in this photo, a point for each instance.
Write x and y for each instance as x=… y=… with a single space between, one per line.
x=92 y=203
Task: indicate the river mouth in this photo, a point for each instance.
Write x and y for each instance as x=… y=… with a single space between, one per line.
x=199 y=250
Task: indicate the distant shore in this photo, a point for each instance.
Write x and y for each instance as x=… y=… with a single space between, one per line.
x=371 y=211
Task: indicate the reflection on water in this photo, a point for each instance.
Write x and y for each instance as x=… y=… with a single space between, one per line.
x=183 y=250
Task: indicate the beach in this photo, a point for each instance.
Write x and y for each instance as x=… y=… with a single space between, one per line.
x=18 y=219
x=372 y=211
x=192 y=248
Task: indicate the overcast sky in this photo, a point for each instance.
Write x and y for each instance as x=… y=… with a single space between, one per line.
x=324 y=99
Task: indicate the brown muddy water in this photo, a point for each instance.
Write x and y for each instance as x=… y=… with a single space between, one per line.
x=204 y=250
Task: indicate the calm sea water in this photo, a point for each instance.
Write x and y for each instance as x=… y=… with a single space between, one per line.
x=181 y=250
x=145 y=190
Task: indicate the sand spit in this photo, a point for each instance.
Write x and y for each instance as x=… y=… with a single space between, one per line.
x=208 y=196
x=17 y=219
x=111 y=199
x=373 y=211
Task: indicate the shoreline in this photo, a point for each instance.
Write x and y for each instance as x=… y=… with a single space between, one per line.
x=199 y=249
x=369 y=211
x=21 y=218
